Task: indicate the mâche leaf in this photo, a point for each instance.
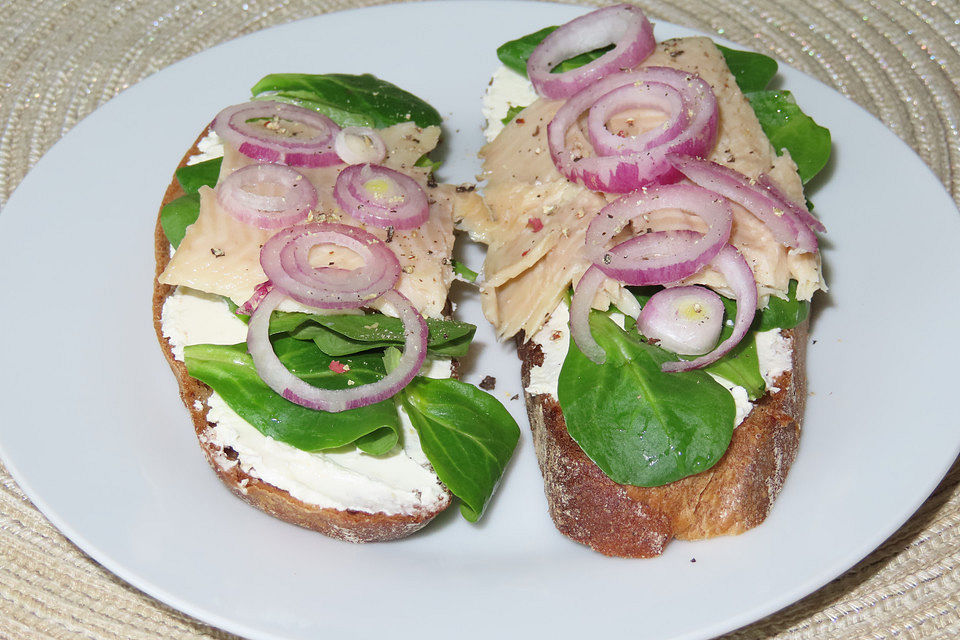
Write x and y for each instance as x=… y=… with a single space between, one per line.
x=177 y=215
x=511 y=114
x=349 y=100
x=655 y=428
x=230 y=372
x=783 y=314
x=466 y=434
x=788 y=127
x=346 y=334
x=463 y=272
x=741 y=365
x=193 y=176
x=752 y=71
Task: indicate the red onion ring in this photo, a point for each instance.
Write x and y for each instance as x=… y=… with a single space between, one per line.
x=778 y=213
x=580 y=305
x=728 y=262
x=740 y=279
x=355 y=145
x=636 y=168
x=280 y=379
x=623 y=25
x=801 y=212
x=658 y=257
x=402 y=205
x=260 y=143
x=684 y=320
x=267 y=211
x=651 y=95
x=259 y=293
x=285 y=260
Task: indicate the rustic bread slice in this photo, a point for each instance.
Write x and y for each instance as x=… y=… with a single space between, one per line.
x=734 y=495
x=349 y=525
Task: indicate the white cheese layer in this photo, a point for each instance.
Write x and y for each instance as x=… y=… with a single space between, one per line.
x=400 y=482
x=210 y=147
x=775 y=355
x=773 y=352
x=507 y=89
x=194 y=317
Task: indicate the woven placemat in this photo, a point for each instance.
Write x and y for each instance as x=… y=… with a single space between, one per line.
x=61 y=60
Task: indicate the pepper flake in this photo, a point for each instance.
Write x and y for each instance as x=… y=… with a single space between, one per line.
x=337 y=367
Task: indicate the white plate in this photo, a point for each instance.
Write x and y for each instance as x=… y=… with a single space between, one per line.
x=96 y=436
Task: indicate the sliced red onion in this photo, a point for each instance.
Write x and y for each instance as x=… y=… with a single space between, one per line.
x=382 y=197
x=622 y=25
x=650 y=95
x=580 y=306
x=356 y=145
x=658 y=257
x=241 y=195
x=259 y=293
x=801 y=212
x=285 y=259
x=684 y=320
x=269 y=143
x=636 y=168
x=778 y=213
x=280 y=379
x=740 y=279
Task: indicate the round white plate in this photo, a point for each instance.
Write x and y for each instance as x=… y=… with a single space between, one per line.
x=95 y=434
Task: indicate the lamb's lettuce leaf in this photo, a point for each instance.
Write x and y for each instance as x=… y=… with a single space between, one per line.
x=349 y=100
x=639 y=425
x=339 y=335
x=179 y=214
x=229 y=371
x=193 y=176
x=782 y=314
x=466 y=434
x=788 y=127
x=752 y=71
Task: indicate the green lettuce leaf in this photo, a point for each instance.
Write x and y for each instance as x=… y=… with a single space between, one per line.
x=788 y=127
x=783 y=314
x=193 y=176
x=639 y=425
x=340 y=335
x=349 y=100
x=179 y=214
x=230 y=372
x=466 y=434
x=752 y=71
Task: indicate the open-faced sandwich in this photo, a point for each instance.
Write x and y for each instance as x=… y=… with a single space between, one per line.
x=303 y=266
x=666 y=393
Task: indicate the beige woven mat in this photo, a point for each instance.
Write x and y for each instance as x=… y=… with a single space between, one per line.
x=60 y=60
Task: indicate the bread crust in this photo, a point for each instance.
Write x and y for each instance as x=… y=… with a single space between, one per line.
x=348 y=525
x=733 y=496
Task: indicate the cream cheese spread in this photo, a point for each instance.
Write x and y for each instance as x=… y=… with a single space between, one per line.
x=507 y=89
x=210 y=147
x=400 y=482
x=773 y=352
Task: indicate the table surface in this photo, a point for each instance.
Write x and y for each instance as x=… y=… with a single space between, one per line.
x=900 y=60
